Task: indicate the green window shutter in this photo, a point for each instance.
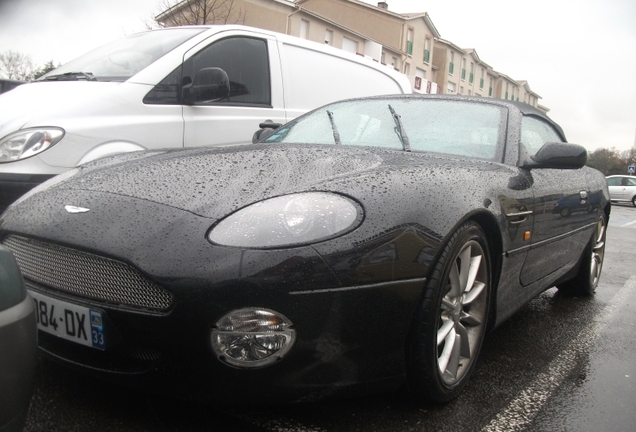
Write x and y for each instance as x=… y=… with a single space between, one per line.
x=506 y=96
x=409 y=47
x=489 y=91
x=463 y=73
x=427 y=56
x=471 y=77
x=481 y=83
x=451 y=67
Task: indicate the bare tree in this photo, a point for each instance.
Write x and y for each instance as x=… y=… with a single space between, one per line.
x=16 y=66
x=195 y=12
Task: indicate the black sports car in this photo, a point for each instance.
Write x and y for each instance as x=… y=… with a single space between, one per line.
x=366 y=244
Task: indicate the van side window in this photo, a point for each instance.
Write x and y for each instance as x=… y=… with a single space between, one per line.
x=535 y=133
x=245 y=61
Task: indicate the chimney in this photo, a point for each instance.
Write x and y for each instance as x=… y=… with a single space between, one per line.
x=383 y=5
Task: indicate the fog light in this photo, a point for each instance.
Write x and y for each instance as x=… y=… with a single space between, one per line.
x=252 y=337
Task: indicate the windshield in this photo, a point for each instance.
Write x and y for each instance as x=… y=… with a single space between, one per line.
x=412 y=124
x=121 y=59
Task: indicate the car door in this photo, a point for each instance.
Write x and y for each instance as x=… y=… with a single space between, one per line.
x=616 y=191
x=630 y=189
x=561 y=208
x=233 y=119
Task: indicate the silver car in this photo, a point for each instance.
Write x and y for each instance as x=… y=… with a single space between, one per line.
x=622 y=188
x=18 y=345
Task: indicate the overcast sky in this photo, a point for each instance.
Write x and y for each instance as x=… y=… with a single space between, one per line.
x=579 y=56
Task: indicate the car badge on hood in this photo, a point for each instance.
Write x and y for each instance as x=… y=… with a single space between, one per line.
x=74 y=209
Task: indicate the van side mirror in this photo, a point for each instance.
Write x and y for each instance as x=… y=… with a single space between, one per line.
x=267 y=128
x=558 y=155
x=209 y=85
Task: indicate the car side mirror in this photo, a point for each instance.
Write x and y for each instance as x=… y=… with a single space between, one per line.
x=558 y=155
x=267 y=128
x=209 y=85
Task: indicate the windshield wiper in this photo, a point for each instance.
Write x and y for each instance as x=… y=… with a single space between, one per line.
x=406 y=145
x=336 y=135
x=72 y=76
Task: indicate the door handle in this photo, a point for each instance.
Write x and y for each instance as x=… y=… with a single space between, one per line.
x=521 y=215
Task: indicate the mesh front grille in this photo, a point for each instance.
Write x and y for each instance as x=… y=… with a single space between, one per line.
x=86 y=275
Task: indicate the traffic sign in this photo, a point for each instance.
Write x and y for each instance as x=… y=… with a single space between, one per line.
x=631 y=169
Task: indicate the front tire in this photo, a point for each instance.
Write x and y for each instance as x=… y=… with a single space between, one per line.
x=451 y=323
x=586 y=280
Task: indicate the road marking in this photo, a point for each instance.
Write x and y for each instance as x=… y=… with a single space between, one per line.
x=523 y=409
x=628 y=224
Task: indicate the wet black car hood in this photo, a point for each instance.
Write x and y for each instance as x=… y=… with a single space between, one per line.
x=213 y=182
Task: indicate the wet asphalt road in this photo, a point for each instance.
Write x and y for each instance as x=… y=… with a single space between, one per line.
x=559 y=364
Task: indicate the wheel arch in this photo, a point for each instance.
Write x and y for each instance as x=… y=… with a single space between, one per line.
x=489 y=225
x=109 y=149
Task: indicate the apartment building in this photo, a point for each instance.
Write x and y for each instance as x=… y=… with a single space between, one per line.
x=527 y=95
x=407 y=42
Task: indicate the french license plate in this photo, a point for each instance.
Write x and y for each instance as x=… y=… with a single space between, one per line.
x=69 y=321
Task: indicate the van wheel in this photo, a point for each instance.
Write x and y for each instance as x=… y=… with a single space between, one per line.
x=586 y=281
x=451 y=322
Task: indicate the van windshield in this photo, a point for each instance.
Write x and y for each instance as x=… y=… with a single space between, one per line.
x=121 y=59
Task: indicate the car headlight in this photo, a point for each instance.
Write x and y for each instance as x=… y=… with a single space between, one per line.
x=28 y=142
x=288 y=220
x=252 y=337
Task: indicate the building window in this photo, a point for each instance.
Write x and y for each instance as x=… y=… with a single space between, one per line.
x=471 y=77
x=461 y=90
x=304 y=29
x=451 y=65
x=407 y=68
x=481 y=80
x=450 y=88
x=382 y=59
x=329 y=37
x=349 y=45
x=409 y=41
x=463 y=69
x=427 y=50
x=506 y=92
x=394 y=62
x=420 y=73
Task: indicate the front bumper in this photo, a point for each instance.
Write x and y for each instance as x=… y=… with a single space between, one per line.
x=348 y=341
x=349 y=336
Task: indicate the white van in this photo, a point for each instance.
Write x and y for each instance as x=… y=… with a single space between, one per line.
x=176 y=87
